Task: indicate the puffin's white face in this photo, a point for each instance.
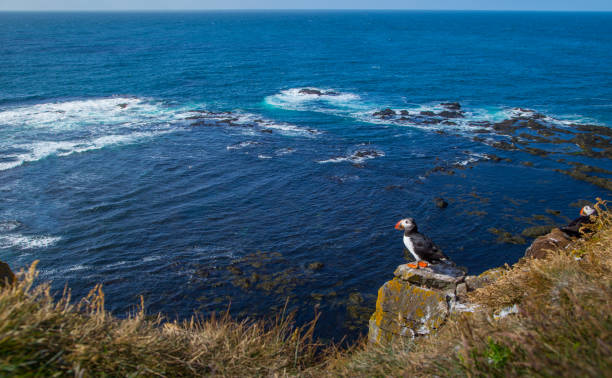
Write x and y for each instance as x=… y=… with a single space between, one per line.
x=587 y=211
x=405 y=224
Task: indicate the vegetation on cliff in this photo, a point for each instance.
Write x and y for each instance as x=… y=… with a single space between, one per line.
x=543 y=317
x=557 y=322
x=43 y=337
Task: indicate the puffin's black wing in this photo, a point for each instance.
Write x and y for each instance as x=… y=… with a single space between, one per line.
x=573 y=229
x=426 y=249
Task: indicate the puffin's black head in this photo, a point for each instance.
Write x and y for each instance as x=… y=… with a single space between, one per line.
x=406 y=224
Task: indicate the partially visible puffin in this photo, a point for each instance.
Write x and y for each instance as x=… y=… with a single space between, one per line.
x=573 y=229
x=420 y=246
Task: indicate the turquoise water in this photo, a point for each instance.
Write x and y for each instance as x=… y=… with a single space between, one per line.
x=112 y=171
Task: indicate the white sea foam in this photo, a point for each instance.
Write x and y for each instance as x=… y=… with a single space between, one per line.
x=282 y=127
x=42 y=149
x=251 y=122
x=115 y=264
x=284 y=151
x=76 y=267
x=26 y=242
x=9 y=225
x=151 y=258
x=296 y=99
x=473 y=158
x=241 y=145
x=353 y=106
x=34 y=132
x=356 y=157
x=75 y=114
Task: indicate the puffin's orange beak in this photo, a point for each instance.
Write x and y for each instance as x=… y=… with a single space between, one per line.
x=582 y=212
x=397 y=225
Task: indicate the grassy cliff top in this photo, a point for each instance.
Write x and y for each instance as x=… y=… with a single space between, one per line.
x=560 y=325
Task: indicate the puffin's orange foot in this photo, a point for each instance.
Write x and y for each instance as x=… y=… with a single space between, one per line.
x=413 y=265
x=423 y=264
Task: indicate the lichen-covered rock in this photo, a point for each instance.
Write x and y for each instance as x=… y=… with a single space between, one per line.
x=405 y=310
x=6 y=274
x=554 y=240
x=440 y=276
x=416 y=302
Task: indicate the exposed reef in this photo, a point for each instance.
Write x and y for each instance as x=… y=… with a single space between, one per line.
x=526 y=131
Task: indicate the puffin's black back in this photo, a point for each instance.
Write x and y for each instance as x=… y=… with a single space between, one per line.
x=425 y=248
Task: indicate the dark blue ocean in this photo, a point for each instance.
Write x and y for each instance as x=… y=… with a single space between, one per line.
x=204 y=160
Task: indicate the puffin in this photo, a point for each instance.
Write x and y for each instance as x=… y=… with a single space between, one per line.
x=420 y=246
x=573 y=229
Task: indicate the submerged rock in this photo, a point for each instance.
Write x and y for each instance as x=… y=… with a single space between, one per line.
x=504 y=236
x=450 y=114
x=316 y=265
x=441 y=203
x=385 y=113
x=535 y=231
x=451 y=105
x=317 y=92
x=414 y=303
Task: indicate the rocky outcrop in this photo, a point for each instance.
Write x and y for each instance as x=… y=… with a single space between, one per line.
x=317 y=92
x=416 y=302
x=6 y=274
x=554 y=240
x=440 y=202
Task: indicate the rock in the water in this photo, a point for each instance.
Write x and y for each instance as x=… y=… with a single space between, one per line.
x=450 y=114
x=451 y=105
x=535 y=231
x=385 y=113
x=316 y=265
x=441 y=203
x=310 y=91
x=317 y=92
x=544 y=244
x=6 y=274
x=427 y=113
x=415 y=303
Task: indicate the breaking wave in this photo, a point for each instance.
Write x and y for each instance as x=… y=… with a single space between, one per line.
x=314 y=99
x=24 y=242
x=358 y=156
x=34 y=132
x=430 y=116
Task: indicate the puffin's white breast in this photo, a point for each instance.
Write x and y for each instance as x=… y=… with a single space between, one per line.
x=410 y=247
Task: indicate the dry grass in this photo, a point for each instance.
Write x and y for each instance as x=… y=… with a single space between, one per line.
x=43 y=337
x=563 y=328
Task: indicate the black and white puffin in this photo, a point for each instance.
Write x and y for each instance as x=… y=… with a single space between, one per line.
x=573 y=229
x=420 y=246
